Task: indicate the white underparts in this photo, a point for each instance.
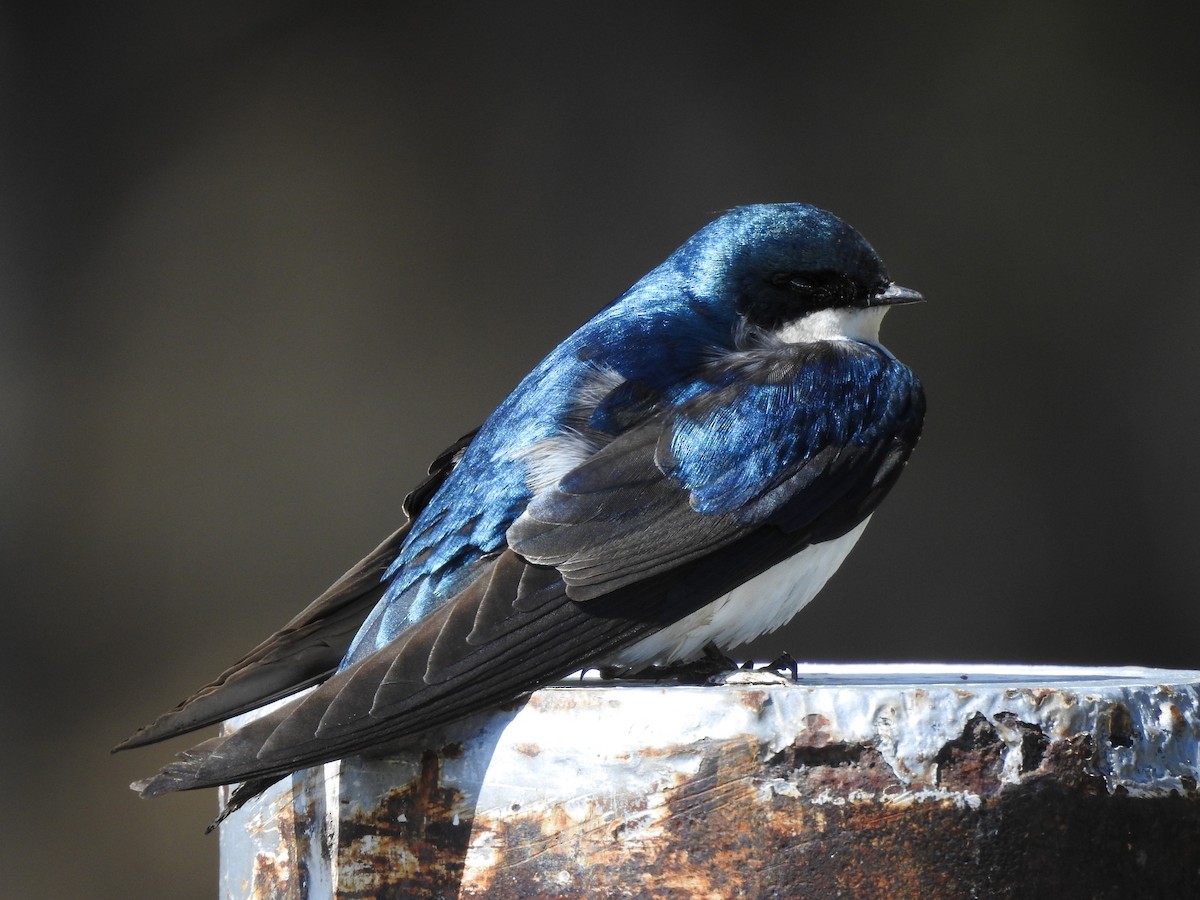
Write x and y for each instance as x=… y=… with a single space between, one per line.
x=759 y=606
x=834 y=325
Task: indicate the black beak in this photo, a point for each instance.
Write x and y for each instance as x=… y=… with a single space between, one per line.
x=894 y=295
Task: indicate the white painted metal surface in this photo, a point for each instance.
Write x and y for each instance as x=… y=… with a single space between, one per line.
x=598 y=765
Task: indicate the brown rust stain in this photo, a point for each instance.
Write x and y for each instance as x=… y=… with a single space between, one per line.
x=623 y=854
x=555 y=700
x=1121 y=731
x=273 y=878
x=814 y=725
x=1179 y=723
x=838 y=768
x=754 y=700
x=281 y=875
x=282 y=812
x=1075 y=763
x=973 y=761
x=413 y=843
x=1033 y=741
x=665 y=751
x=819 y=820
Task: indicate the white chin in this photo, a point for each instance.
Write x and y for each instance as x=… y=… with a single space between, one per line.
x=834 y=325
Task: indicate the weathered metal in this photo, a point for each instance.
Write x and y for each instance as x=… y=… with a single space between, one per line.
x=857 y=781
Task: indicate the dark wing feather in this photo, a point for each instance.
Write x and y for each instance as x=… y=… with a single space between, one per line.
x=405 y=687
x=309 y=647
x=618 y=519
x=305 y=651
x=789 y=437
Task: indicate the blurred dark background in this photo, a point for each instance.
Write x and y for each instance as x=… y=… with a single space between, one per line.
x=261 y=260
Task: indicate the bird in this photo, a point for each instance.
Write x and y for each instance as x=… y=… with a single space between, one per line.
x=684 y=472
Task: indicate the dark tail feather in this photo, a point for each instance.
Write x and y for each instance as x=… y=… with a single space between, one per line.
x=304 y=652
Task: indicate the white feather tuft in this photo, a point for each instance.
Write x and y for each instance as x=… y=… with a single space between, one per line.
x=547 y=461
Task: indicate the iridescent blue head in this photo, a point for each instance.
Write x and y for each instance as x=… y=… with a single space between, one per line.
x=785 y=262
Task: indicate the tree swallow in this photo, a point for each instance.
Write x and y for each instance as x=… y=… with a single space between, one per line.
x=687 y=469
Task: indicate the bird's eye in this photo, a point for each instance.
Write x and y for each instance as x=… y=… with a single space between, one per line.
x=792 y=281
x=825 y=286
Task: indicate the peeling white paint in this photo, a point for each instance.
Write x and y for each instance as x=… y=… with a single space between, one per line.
x=595 y=761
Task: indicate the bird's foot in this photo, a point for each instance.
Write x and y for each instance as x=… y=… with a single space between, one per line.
x=785 y=662
x=711 y=666
x=783 y=670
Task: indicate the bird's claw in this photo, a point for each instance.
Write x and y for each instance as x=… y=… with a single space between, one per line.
x=785 y=662
x=711 y=666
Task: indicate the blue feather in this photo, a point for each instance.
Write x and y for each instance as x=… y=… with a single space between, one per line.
x=734 y=446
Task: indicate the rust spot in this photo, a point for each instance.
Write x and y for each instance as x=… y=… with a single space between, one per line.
x=973 y=761
x=664 y=751
x=723 y=780
x=528 y=749
x=836 y=769
x=1033 y=741
x=279 y=875
x=427 y=785
x=413 y=843
x=755 y=701
x=813 y=732
x=1120 y=726
x=272 y=877
x=1039 y=696
x=453 y=750
x=837 y=754
x=1179 y=725
x=1074 y=762
x=552 y=701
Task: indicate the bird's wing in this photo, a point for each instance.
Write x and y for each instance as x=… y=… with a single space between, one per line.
x=655 y=525
x=795 y=437
x=307 y=649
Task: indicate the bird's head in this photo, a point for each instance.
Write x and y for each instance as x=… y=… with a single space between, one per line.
x=800 y=273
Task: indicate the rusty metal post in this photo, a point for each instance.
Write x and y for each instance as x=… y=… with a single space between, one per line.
x=862 y=781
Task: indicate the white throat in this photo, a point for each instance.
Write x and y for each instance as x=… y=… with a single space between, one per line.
x=834 y=325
